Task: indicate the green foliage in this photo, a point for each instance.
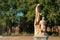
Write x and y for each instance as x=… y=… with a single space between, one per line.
x=49 y=8
x=8 y=12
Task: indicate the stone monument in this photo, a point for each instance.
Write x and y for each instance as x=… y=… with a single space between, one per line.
x=39 y=26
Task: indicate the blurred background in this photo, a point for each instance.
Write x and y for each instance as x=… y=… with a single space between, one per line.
x=17 y=16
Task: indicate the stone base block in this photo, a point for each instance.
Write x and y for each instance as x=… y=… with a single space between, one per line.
x=40 y=37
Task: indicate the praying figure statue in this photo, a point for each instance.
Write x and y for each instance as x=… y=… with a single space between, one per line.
x=39 y=26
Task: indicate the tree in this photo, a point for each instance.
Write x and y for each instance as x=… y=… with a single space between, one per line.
x=9 y=9
x=8 y=13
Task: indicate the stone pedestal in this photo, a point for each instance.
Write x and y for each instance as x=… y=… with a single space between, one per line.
x=40 y=37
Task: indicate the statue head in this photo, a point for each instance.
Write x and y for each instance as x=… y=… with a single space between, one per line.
x=43 y=18
x=38 y=7
x=38 y=4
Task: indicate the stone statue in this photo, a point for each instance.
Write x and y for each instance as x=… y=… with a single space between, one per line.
x=43 y=27
x=36 y=22
x=39 y=26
